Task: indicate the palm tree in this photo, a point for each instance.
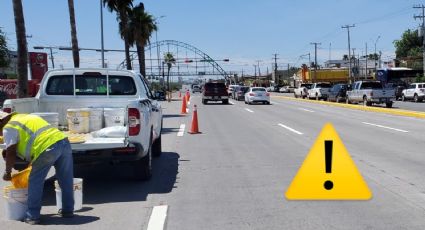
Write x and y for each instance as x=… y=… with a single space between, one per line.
x=169 y=60
x=74 y=40
x=141 y=26
x=122 y=8
x=21 y=41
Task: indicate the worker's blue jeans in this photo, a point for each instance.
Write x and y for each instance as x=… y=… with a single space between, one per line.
x=58 y=155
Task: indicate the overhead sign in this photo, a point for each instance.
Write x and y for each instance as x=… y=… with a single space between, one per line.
x=328 y=172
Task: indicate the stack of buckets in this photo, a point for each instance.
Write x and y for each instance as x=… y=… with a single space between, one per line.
x=16 y=195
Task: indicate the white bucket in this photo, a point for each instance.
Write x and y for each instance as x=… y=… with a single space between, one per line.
x=114 y=116
x=51 y=118
x=78 y=194
x=16 y=203
x=95 y=119
x=78 y=120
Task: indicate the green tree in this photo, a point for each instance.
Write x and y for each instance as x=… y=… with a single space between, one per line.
x=122 y=8
x=141 y=26
x=4 y=52
x=409 y=47
x=21 y=41
x=169 y=60
x=74 y=40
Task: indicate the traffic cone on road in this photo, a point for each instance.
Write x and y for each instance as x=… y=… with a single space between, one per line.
x=188 y=95
x=184 y=106
x=194 y=129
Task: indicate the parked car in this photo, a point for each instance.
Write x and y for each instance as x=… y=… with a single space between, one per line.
x=319 y=91
x=369 y=93
x=257 y=94
x=415 y=92
x=196 y=88
x=239 y=92
x=284 y=89
x=230 y=89
x=215 y=91
x=302 y=90
x=398 y=88
x=338 y=93
x=136 y=113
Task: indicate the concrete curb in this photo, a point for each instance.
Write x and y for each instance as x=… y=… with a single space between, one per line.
x=399 y=112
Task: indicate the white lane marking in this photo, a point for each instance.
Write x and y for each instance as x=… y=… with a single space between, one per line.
x=307 y=110
x=249 y=110
x=386 y=127
x=181 y=130
x=158 y=218
x=290 y=129
x=231 y=102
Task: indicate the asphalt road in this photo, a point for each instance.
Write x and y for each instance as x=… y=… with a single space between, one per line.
x=234 y=175
x=407 y=105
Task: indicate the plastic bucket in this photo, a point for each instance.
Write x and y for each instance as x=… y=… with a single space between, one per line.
x=95 y=119
x=78 y=120
x=16 y=202
x=78 y=194
x=51 y=118
x=114 y=116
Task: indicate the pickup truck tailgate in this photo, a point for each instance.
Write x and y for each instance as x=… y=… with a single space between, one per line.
x=100 y=143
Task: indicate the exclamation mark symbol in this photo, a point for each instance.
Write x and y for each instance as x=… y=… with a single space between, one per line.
x=328 y=161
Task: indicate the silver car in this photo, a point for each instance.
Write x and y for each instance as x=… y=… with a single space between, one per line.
x=257 y=94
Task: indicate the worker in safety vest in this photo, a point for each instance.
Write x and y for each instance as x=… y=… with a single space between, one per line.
x=32 y=139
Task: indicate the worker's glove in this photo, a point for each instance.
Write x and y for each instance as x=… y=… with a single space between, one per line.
x=7 y=176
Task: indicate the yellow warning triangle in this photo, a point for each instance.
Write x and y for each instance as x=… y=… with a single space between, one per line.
x=316 y=181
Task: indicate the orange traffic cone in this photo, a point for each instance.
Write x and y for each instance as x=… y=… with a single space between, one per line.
x=188 y=95
x=194 y=129
x=184 y=106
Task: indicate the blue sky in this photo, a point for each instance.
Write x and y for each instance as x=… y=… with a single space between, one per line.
x=243 y=31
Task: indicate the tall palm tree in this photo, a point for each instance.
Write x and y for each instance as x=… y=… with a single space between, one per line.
x=122 y=8
x=141 y=26
x=169 y=60
x=21 y=41
x=74 y=40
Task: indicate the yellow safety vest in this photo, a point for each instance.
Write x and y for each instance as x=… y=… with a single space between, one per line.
x=35 y=135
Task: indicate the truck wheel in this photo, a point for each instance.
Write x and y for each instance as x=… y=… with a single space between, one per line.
x=204 y=101
x=389 y=104
x=226 y=101
x=338 y=99
x=416 y=98
x=365 y=102
x=157 y=147
x=317 y=97
x=143 y=167
x=295 y=95
x=403 y=98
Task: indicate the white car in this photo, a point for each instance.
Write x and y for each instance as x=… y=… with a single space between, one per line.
x=284 y=89
x=415 y=91
x=257 y=94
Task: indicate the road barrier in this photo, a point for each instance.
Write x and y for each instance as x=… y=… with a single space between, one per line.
x=393 y=111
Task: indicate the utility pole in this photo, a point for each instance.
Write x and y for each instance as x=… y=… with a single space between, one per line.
x=102 y=49
x=423 y=30
x=354 y=64
x=375 y=55
x=330 y=50
x=366 y=63
x=349 y=51
x=276 y=78
x=315 y=59
x=258 y=64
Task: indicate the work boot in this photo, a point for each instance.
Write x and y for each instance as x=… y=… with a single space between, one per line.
x=65 y=214
x=32 y=221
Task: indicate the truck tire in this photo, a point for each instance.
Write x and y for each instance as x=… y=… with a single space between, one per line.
x=338 y=99
x=204 y=101
x=389 y=104
x=416 y=98
x=226 y=101
x=143 y=167
x=403 y=98
x=347 y=101
x=157 y=147
x=295 y=95
x=317 y=97
x=365 y=102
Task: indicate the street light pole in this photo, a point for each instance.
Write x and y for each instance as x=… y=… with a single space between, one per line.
x=101 y=35
x=376 y=55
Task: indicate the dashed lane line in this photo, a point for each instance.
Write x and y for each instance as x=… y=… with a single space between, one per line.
x=385 y=127
x=181 y=130
x=307 y=110
x=231 y=102
x=249 y=110
x=158 y=218
x=290 y=129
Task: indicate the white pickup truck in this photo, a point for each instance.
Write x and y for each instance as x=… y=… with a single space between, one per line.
x=302 y=90
x=370 y=92
x=127 y=91
x=319 y=90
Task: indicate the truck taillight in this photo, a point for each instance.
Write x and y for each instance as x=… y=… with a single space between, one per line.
x=251 y=94
x=268 y=94
x=7 y=110
x=133 y=121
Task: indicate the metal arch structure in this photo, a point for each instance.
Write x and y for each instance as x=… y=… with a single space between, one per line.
x=206 y=58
